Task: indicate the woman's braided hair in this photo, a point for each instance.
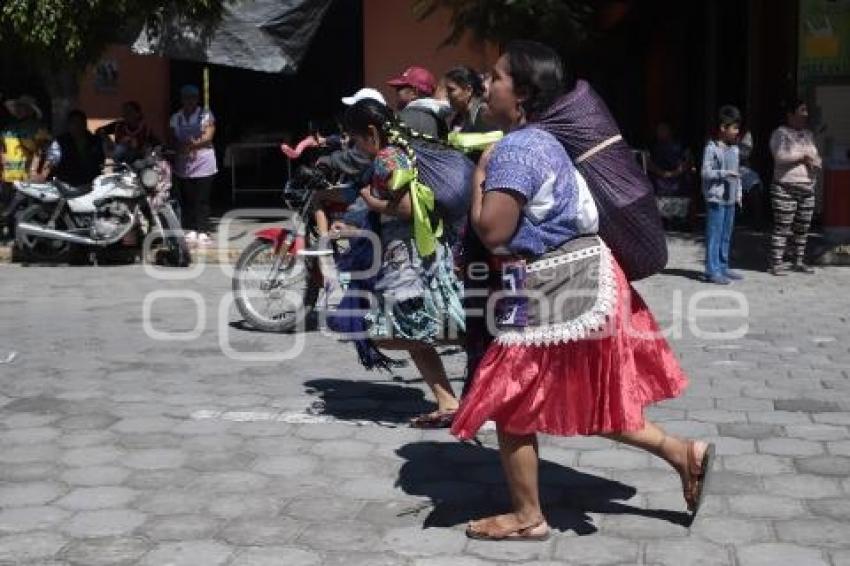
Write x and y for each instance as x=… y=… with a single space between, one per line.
x=369 y=112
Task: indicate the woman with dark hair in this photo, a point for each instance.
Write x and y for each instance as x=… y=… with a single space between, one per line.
x=465 y=91
x=577 y=351
x=418 y=294
x=796 y=166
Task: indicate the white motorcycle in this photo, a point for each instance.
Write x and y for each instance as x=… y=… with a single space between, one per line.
x=121 y=207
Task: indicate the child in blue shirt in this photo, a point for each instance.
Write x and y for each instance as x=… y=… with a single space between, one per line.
x=721 y=188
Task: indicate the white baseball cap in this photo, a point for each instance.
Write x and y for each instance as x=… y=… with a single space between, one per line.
x=364 y=94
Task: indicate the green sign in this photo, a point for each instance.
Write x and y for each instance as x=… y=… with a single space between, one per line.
x=824 y=40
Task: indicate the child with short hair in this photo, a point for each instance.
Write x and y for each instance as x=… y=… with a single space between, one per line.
x=721 y=188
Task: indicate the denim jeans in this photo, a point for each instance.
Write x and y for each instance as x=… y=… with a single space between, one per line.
x=719 y=222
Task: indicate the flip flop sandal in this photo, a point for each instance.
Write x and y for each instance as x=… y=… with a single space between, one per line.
x=698 y=476
x=434 y=420
x=538 y=532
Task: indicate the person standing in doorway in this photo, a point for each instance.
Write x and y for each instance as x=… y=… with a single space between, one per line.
x=721 y=188
x=796 y=166
x=192 y=129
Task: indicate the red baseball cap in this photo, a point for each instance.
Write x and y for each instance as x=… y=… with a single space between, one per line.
x=417 y=77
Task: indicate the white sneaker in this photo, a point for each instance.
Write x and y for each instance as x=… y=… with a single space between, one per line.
x=191 y=236
x=204 y=240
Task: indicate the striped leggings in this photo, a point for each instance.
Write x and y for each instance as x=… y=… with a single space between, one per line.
x=793 y=208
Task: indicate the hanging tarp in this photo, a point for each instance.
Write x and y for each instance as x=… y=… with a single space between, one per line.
x=261 y=35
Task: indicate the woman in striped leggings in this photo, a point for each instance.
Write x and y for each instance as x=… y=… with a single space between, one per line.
x=796 y=165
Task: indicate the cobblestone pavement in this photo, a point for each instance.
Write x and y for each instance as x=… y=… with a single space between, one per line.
x=116 y=448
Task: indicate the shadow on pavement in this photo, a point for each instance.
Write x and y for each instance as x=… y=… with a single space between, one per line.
x=380 y=402
x=466 y=482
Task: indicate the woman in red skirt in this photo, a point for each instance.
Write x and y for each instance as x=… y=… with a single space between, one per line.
x=577 y=351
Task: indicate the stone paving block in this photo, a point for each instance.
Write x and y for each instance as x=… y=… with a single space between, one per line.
x=617 y=459
x=95 y=476
x=276 y=556
x=92 y=456
x=166 y=501
x=825 y=466
x=817 y=432
x=244 y=505
x=378 y=468
x=758 y=464
x=639 y=528
x=343 y=449
x=29 y=453
x=212 y=442
x=646 y=480
x=24 y=519
x=104 y=523
x=744 y=404
x=818 y=532
x=201 y=428
x=807 y=405
x=731 y=483
x=803 y=486
x=717 y=416
x=419 y=541
x=832 y=508
x=32 y=546
x=376 y=558
x=145 y=425
x=225 y=482
x=790 y=447
x=727 y=530
x=286 y=466
x=462 y=561
x=766 y=506
x=780 y=554
x=328 y=508
x=689 y=552
x=334 y=535
x=38 y=471
x=842 y=418
x=188 y=553
x=160 y=479
x=750 y=430
x=262 y=531
x=179 y=527
x=30 y=494
x=149 y=441
x=508 y=551
x=91 y=421
x=29 y=420
x=841 y=448
x=83 y=438
x=37 y=435
x=91 y=498
x=778 y=417
x=154 y=459
x=385 y=489
x=214 y=461
x=111 y=551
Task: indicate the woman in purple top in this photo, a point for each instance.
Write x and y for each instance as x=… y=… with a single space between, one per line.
x=576 y=350
x=192 y=129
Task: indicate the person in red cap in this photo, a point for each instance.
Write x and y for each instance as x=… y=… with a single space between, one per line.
x=417 y=108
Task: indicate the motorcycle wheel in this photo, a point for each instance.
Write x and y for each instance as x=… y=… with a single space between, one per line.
x=176 y=253
x=278 y=303
x=37 y=249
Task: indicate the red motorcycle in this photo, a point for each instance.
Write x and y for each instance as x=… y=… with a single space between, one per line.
x=277 y=278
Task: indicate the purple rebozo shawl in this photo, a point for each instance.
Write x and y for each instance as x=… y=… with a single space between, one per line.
x=629 y=221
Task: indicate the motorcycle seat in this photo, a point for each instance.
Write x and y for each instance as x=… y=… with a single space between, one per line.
x=68 y=192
